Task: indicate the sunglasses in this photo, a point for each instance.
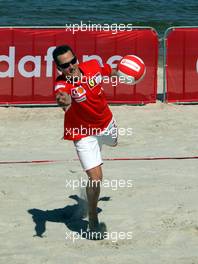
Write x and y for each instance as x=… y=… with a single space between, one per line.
x=67 y=64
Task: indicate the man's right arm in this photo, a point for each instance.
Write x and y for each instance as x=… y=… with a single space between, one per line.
x=62 y=94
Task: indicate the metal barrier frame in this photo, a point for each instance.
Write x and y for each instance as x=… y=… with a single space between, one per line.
x=61 y=27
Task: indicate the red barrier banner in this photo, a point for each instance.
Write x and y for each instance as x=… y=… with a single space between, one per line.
x=27 y=71
x=182 y=65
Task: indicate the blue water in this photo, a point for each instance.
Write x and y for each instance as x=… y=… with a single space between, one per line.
x=160 y=14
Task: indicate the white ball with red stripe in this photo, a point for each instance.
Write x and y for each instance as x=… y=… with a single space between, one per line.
x=131 y=69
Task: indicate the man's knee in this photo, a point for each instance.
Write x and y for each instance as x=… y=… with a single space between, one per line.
x=95 y=174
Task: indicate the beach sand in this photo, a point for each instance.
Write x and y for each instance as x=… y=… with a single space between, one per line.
x=159 y=210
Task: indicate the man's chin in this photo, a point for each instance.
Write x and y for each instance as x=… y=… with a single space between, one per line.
x=72 y=76
x=75 y=74
x=63 y=104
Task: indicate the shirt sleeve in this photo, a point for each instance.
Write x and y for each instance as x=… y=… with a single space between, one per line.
x=106 y=70
x=61 y=86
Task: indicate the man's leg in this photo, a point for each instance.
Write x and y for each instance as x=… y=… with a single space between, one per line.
x=88 y=150
x=110 y=135
x=93 y=192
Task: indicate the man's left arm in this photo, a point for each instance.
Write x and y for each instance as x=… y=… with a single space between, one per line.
x=113 y=72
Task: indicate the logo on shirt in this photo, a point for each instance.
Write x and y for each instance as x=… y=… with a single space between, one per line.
x=95 y=80
x=79 y=94
x=92 y=83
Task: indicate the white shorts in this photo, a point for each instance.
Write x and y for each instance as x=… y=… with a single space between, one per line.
x=89 y=148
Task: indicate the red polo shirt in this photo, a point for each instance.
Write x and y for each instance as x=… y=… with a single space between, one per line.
x=89 y=112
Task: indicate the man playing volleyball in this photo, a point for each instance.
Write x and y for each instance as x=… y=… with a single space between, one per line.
x=88 y=120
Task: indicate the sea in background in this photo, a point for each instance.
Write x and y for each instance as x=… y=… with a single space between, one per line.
x=159 y=14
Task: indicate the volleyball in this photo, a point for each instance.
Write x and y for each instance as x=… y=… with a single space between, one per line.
x=131 y=69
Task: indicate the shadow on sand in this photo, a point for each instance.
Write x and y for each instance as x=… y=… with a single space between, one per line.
x=71 y=215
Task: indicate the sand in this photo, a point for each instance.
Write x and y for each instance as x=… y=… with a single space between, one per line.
x=157 y=216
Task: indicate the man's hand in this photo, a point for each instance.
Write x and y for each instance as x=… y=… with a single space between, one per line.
x=63 y=99
x=114 y=72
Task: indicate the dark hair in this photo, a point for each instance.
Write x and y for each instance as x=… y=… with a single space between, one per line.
x=59 y=51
